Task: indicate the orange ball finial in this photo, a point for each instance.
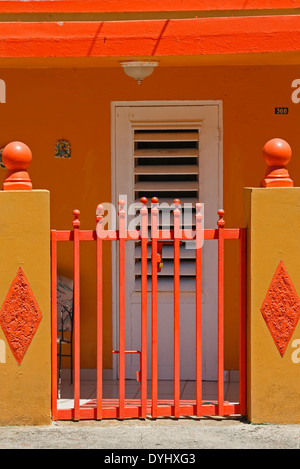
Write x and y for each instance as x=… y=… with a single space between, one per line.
x=16 y=157
x=277 y=154
x=99 y=212
x=221 y=221
x=76 y=221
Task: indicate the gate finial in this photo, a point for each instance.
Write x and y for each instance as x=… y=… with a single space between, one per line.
x=198 y=207
x=76 y=222
x=221 y=221
x=16 y=157
x=99 y=212
x=122 y=204
x=277 y=154
x=144 y=218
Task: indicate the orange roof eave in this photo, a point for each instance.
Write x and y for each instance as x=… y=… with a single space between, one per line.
x=151 y=38
x=121 y=6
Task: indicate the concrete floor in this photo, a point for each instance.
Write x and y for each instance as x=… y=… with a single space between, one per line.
x=147 y=437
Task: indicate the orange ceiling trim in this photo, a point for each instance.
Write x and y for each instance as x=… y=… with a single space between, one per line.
x=151 y=38
x=122 y=6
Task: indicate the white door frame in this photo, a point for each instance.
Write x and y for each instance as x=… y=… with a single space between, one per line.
x=114 y=105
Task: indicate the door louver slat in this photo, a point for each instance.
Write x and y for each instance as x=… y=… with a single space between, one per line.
x=166 y=169
x=165 y=136
x=169 y=153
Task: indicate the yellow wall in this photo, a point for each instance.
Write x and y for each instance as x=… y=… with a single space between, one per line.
x=47 y=104
x=25 y=391
x=273 y=380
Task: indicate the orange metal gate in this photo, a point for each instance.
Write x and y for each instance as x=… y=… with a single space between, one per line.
x=121 y=407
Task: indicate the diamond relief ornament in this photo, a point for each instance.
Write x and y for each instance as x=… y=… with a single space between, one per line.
x=281 y=308
x=20 y=316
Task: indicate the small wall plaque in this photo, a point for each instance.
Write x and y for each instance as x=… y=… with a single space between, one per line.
x=62 y=149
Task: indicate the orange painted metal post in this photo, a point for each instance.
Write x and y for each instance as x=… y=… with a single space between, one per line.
x=76 y=256
x=221 y=224
x=54 y=324
x=122 y=237
x=242 y=323
x=144 y=240
x=199 y=240
x=99 y=227
x=154 y=237
x=177 y=239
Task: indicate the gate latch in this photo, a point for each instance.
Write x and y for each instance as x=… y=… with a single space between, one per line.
x=160 y=263
x=159 y=257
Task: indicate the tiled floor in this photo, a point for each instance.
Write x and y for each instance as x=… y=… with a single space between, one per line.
x=132 y=390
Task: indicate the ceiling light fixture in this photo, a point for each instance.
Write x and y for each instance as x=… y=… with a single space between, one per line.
x=139 y=69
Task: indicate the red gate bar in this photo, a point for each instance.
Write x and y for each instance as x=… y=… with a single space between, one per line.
x=122 y=235
x=177 y=238
x=54 y=324
x=88 y=411
x=134 y=408
x=99 y=228
x=154 y=237
x=221 y=224
x=242 y=321
x=163 y=235
x=144 y=242
x=76 y=256
x=198 y=218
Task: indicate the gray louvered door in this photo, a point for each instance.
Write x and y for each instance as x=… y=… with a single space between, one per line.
x=169 y=152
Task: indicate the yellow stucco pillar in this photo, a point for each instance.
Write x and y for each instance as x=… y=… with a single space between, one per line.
x=273 y=307
x=25 y=328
